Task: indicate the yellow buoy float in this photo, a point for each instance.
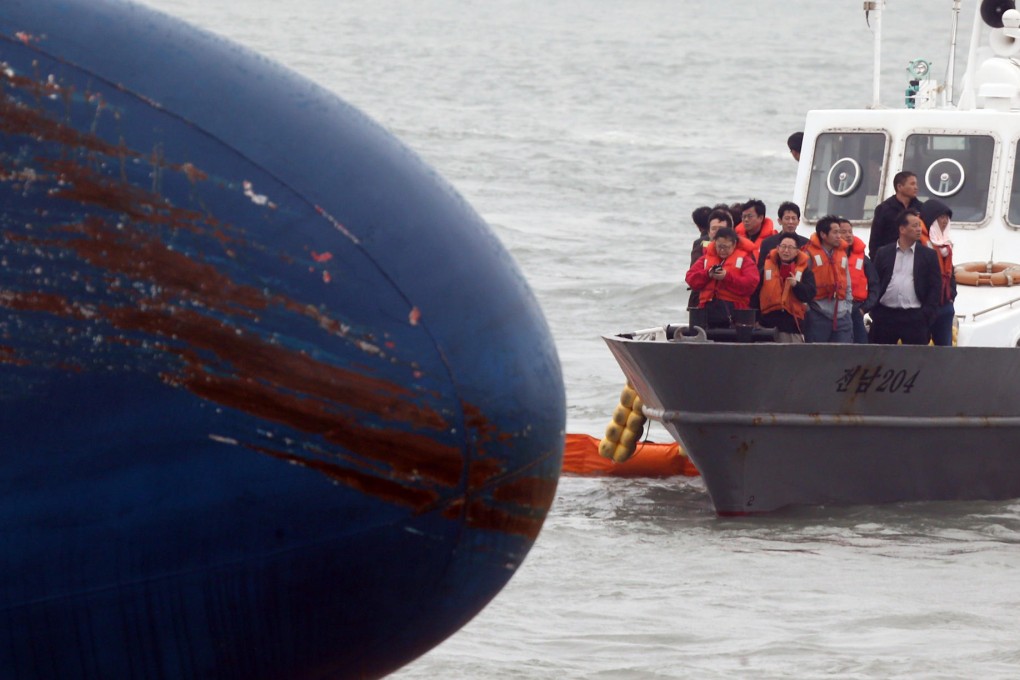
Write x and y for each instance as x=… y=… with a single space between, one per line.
x=625 y=429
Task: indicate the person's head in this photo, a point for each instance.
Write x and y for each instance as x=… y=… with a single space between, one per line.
x=905 y=184
x=909 y=222
x=828 y=231
x=789 y=216
x=937 y=216
x=943 y=217
x=752 y=214
x=846 y=231
x=717 y=220
x=725 y=241
x=700 y=218
x=787 y=249
x=793 y=143
x=736 y=209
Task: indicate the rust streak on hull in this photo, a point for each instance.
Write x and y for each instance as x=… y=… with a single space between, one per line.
x=409 y=455
x=387 y=490
x=285 y=369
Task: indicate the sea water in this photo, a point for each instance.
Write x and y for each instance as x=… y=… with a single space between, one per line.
x=585 y=132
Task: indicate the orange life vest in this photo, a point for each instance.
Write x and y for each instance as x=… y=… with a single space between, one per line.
x=732 y=267
x=775 y=294
x=858 y=279
x=767 y=229
x=830 y=272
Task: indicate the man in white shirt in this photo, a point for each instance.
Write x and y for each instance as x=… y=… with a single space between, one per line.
x=909 y=287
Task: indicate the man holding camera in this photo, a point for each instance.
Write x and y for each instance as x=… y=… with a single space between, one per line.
x=725 y=276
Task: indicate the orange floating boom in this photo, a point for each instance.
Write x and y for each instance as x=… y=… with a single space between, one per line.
x=581 y=457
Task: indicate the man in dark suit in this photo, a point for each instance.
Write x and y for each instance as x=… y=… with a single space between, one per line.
x=910 y=283
x=883 y=226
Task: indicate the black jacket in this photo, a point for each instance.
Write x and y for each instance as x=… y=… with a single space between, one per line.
x=927 y=275
x=697 y=250
x=884 y=227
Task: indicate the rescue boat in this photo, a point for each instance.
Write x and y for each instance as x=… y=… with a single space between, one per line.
x=872 y=424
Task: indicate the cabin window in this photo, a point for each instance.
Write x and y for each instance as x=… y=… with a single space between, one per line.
x=956 y=169
x=846 y=175
x=1014 y=195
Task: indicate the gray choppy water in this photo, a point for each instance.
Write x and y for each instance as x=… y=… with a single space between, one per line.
x=585 y=131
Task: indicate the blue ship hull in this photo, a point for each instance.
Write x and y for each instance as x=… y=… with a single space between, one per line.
x=274 y=401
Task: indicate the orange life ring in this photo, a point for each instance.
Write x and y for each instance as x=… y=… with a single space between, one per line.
x=988 y=274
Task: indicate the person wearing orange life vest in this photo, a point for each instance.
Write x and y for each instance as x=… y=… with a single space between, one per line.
x=725 y=276
x=789 y=220
x=828 y=315
x=716 y=219
x=935 y=216
x=863 y=280
x=787 y=285
x=754 y=225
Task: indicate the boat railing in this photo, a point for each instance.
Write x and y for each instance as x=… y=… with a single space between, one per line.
x=700 y=332
x=975 y=315
x=656 y=334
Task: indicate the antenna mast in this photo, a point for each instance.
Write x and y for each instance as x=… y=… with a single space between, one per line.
x=875 y=6
x=951 y=67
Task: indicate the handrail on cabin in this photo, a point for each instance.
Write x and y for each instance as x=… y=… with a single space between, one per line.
x=1007 y=303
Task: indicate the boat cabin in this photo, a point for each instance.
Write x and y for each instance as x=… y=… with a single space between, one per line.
x=966 y=154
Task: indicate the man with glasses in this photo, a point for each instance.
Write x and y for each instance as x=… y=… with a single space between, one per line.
x=754 y=225
x=787 y=285
x=725 y=276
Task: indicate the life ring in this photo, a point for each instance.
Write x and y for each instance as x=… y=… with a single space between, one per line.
x=988 y=273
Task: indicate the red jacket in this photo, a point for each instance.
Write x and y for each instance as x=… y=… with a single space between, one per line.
x=741 y=277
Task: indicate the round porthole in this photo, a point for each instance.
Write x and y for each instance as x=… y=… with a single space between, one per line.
x=944 y=177
x=844 y=176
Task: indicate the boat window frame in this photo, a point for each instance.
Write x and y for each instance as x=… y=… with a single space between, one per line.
x=1007 y=193
x=993 y=188
x=853 y=129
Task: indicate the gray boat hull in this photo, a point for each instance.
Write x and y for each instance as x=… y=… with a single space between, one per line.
x=771 y=425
